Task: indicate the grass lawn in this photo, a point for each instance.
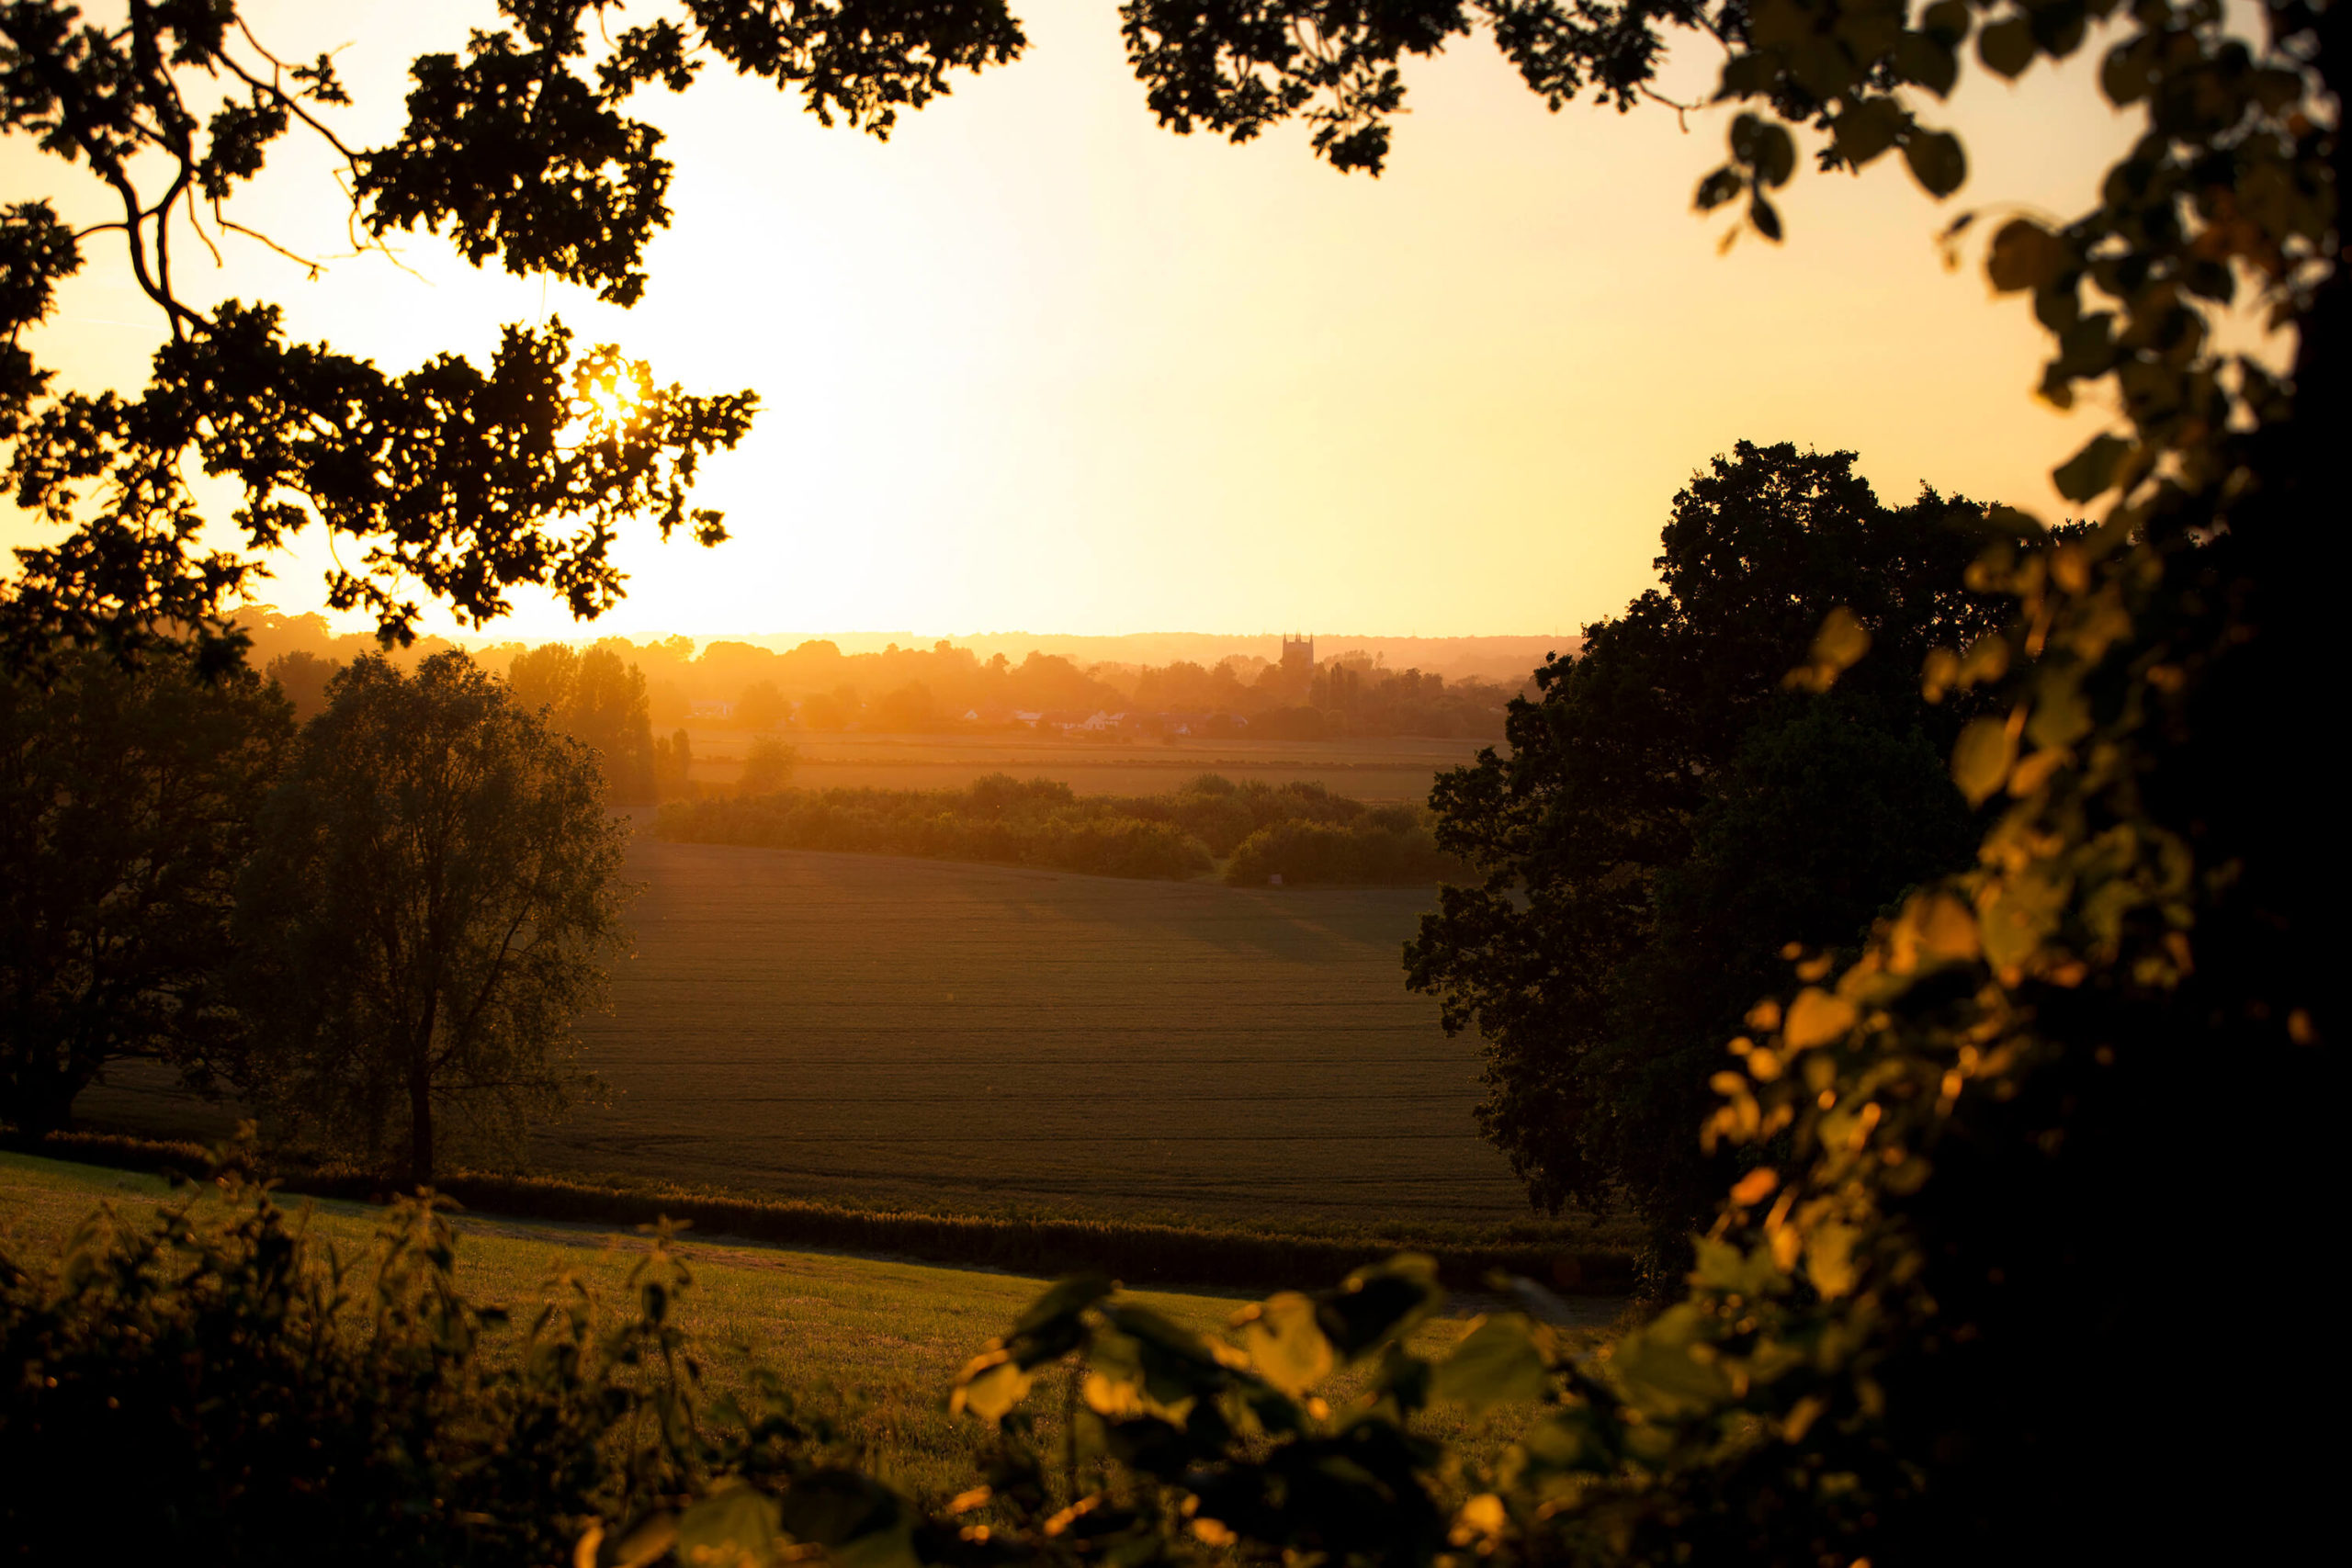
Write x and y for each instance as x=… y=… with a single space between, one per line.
x=874 y=1342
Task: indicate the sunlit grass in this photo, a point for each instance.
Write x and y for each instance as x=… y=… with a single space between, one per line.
x=872 y=1344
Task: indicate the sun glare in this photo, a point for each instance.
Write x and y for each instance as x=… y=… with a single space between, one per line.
x=616 y=397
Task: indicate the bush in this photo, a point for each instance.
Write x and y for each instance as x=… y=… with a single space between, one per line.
x=249 y=1402
x=1386 y=848
x=767 y=767
x=1043 y=823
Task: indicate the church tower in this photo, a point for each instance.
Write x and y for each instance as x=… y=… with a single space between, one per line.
x=1298 y=655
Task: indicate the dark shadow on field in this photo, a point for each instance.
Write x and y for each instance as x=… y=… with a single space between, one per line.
x=886 y=1031
x=895 y=1030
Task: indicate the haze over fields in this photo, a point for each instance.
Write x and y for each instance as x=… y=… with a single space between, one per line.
x=904 y=1030
x=887 y=1031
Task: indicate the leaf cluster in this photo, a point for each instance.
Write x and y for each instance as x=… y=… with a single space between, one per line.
x=256 y=1394
x=128 y=799
x=460 y=480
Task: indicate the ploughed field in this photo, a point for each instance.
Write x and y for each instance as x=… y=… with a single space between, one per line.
x=888 y=1030
x=884 y=1032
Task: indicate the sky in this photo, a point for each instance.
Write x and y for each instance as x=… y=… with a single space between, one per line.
x=1037 y=364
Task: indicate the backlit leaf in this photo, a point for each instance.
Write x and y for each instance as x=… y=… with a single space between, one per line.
x=1284 y=1343
x=1498 y=1362
x=2007 y=46
x=2024 y=255
x=860 y=1522
x=1982 y=757
x=1660 y=1373
x=652 y=1539
x=1934 y=929
x=2092 y=469
x=1816 y=1017
x=1937 y=161
x=1829 y=1259
x=1062 y=1298
x=1928 y=59
x=1870 y=126
x=1840 y=641
x=734 y=1529
x=991 y=1390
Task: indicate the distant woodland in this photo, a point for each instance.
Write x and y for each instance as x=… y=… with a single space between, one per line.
x=633 y=702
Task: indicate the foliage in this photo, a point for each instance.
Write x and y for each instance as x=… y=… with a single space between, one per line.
x=598 y=701
x=1923 y=1330
x=426 y=910
x=1654 y=836
x=461 y=480
x=268 y=1395
x=762 y=706
x=127 y=801
x=674 y=763
x=1042 y=822
x=767 y=767
x=1038 y=824
x=1390 y=845
x=301 y=679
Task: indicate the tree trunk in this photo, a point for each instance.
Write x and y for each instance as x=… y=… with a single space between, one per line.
x=419 y=1120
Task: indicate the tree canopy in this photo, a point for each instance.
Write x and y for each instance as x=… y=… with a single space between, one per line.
x=128 y=801
x=599 y=702
x=460 y=479
x=1654 y=836
x=429 y=907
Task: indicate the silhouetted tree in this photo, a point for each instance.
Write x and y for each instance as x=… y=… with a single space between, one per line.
x=598 y=701
x=430 y=904
x=302 y=677
x=1643 y=847
x=463 y=479
x=127 y=803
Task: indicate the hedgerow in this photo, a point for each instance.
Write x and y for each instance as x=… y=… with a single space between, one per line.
x=1300 y=827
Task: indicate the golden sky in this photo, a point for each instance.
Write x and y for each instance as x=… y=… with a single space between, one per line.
x=1037 y=364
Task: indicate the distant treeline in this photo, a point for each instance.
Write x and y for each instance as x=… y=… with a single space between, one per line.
x=594 y=697
x=817 y=688
x=1299 y=833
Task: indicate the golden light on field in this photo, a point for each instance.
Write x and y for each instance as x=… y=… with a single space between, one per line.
x=1038 y=363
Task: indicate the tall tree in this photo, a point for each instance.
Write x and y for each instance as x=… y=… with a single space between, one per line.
x=1642 y=845
x=599 y=702
x=1921 y=1330
x=429 y=907
x=127 y=803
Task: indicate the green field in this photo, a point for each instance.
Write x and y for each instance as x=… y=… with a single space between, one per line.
x=874 y=1343
x=890 y=1031
x=1369 y=769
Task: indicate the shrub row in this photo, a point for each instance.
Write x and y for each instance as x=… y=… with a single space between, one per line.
x=1362 y=853
x=1301 y=831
